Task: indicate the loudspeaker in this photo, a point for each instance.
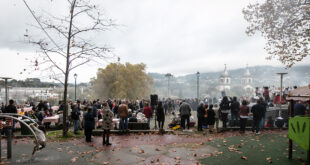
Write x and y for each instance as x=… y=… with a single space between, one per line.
x=154 y=100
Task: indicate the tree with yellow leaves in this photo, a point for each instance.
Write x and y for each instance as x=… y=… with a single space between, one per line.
x=122 y=81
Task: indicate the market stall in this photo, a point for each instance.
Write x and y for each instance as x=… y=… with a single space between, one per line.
x=299 y=126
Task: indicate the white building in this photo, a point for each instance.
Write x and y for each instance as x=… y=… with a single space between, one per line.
x=247 y=80
x=225 y=81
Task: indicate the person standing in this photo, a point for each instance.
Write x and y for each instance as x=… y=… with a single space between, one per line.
x=224 y=110
x=216 y=118
x=80 y=107
x=257 y=111
x=11 y=108
x=200 y=115
x=147 y=111
x=123 y=115
x=185 y=112
x=107 y=123
x=244 y=115
x=115 y=108
x=89 y=123
x=166 y=107
x=285 y=93
x=205 y=117
x=299 y=109
x=95 y=112
x=160 y=114
x=211 y=118
x=234 y=107
x=40 y=106
x=75 y=115
x=264 y=104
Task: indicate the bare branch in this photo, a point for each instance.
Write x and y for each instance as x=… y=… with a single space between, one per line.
x=77 y=65
x=42 y=28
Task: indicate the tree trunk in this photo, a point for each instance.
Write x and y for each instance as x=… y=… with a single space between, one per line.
x=65 y=111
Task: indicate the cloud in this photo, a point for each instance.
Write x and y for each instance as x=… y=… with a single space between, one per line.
x=177 y=36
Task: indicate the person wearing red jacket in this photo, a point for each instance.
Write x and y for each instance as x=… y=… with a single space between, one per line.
x=148 y=113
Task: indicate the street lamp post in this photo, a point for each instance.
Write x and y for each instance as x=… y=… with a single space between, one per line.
x=75 y=76
x=168 y=75
x=281 y=90
x=198 y=74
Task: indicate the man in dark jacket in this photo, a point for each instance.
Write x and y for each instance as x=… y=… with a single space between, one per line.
x=75 y=115
x=257 y=110
x=200 y=115
x=235 y=108
x=11 y=108
x=299 y=109
x=41 y=106
x=224 y=110
x=89 y=122
x=185 y=112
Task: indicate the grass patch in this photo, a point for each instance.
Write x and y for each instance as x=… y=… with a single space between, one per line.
x=57 y=135
x=251 y=149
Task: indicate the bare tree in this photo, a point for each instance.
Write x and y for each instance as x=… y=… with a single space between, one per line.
x=285 y=26
x=65 y=46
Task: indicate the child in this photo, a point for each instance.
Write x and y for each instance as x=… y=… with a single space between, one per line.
x=41 y=143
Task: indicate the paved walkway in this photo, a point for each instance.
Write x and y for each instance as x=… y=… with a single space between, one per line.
x=126 y=149
x=186 y=148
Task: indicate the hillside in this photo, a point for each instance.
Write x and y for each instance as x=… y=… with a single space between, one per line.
x=185 y=86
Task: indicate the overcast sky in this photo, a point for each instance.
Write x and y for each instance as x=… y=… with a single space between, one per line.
x=176 y=36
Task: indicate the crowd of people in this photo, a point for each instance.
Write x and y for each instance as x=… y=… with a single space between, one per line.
x=87 y=114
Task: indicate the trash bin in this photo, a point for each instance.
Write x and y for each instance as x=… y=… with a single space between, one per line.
x=24 y=129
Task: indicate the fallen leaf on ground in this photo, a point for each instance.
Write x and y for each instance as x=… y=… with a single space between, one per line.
x=244 y=158
x=73 y=160
x=269 y=160
x=141 y=151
